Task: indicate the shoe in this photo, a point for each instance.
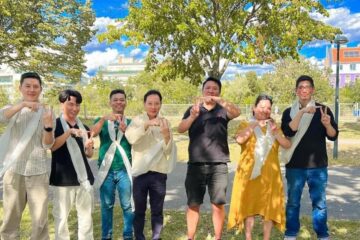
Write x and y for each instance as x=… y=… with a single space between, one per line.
x=290 y=238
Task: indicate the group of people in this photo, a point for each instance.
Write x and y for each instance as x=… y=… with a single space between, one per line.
x=135 y=156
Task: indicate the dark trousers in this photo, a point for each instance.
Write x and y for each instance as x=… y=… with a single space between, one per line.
x=154 y=185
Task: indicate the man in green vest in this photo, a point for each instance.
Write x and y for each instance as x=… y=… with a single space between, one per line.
x=114 y=166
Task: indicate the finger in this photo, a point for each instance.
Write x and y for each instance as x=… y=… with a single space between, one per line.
x=326 y=110
x=321 y=111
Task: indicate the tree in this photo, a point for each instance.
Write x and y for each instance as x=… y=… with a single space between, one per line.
x=280 y=84
x=45 y=36
x=4 y=97
x=201 y=37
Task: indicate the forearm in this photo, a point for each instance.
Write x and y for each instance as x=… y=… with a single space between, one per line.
x=59 y=141
x=96 y=129
x=232 y=110
x=283 y=141
x=243 y=135
x=294 y=124
x=89 y=152
x=11 y=111
x=330 y=131
x=47 y=139
x=185 y=124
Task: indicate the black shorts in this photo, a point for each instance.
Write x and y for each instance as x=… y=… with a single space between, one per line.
x=214 y=176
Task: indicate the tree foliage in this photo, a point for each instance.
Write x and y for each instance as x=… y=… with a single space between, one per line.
x=201 y=37
x=45 y=36
x=280 y=84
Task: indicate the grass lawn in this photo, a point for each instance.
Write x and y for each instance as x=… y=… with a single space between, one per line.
x=175 y=227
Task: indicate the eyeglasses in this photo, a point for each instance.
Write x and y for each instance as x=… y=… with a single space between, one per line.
x=304 y=87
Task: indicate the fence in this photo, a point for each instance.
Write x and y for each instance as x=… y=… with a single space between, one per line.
x=348 y=111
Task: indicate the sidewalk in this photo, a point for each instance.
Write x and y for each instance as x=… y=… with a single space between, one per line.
x=343 y=192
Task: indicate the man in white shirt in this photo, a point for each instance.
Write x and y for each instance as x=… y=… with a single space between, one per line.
x=23 y=161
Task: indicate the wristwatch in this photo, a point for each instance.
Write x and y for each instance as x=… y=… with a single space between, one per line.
x=48 y=129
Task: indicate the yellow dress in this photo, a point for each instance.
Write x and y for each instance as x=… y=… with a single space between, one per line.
x=263 y=195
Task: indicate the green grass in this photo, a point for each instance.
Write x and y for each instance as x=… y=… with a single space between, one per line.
x=175 y=227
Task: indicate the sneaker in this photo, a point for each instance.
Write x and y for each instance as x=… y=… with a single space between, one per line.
x=290 y=238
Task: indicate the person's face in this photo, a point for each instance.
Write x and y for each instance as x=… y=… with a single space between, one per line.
x=70 y=108
x=30 y=89
x=304 y=91
x=211 y=89
x=262 y=110
x=152 y=105
x=118 y=103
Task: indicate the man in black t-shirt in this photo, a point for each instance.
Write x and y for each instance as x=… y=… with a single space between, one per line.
x=308 y=124
x=71 y=176
x=207 y=123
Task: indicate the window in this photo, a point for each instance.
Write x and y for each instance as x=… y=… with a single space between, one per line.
x=341 y=67
x=352 y=66
x=352 y=54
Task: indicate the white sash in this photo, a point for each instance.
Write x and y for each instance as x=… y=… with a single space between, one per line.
x=304 y=124
x=262 y=148
x=109 y=157
x=75 y=154
x=7 y=157
x=154 y=155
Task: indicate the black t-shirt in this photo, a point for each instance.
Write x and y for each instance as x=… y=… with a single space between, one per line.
x=62 y=169
x=311 y=150
x=208 y=136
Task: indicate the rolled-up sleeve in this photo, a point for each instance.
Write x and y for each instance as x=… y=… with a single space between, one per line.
x=4 y=119
x=285 y=120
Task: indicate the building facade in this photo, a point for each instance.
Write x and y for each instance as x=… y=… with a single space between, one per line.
x=121 y=70
x=349 y=58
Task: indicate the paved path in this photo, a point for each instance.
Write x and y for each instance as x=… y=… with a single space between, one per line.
x=343 y=192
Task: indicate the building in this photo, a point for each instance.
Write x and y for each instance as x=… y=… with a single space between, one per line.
x=9 y=79
x=349 y=69
x=121 y=70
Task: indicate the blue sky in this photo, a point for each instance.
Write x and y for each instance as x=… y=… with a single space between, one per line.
x=343 y=14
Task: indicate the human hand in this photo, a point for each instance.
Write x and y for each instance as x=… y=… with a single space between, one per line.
x=34 y=106
x=122 y=124
x=325 y=118
x=48 y=117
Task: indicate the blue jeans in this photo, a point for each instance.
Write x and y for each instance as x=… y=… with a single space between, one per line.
x=316 y=178
x=120 y=182
x=154 y=185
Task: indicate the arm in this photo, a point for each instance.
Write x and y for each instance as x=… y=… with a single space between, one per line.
x=96 y=129
x=189 y=117
x=245 y=133
x=327 y=120
x=11 y=111
x=232 y=110
x=136 y=130
x=48 y=122
x=60 y=140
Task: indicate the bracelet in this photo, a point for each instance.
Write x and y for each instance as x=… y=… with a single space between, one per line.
x=48 y=129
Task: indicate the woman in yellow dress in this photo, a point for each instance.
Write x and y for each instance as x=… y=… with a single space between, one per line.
x=258 y=186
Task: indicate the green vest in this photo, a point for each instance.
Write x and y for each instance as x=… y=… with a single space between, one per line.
x=105 y=143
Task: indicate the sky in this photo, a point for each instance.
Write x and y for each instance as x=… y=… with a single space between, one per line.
x=343 y=14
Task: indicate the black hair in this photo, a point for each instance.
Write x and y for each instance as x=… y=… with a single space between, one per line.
x=213 y=79
x=116 y=91
x=152 y=92
x=263 y=96
x=305 y=78
x=66 y=94
x=30 y=75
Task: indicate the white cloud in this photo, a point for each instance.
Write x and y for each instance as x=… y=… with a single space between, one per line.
x=101 y=23
x=317 y=62
x=97 y=59
x=348 y=22
x=135 y=52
